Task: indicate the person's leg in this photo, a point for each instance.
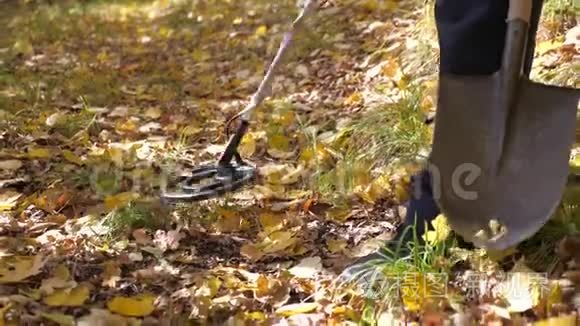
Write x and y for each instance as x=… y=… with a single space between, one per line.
x=471 y=40
x=471 y=37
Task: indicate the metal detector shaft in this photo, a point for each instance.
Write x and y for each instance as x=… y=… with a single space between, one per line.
x=231 y=150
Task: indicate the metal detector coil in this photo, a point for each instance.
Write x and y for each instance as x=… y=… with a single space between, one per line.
x=212 y=181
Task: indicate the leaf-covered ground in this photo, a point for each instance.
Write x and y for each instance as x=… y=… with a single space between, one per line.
x=102 y=103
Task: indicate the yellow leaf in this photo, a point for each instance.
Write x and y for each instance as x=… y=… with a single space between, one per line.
x=336 y=245
x=370 y=5
x=414 y=290
x=255 y=315
x=23 y=47
x=39 y=153
x=115 y=154
x=575 y=164
x=338 y=213
x=62 y=272
x=230 y=221
x=261 y=31
x=354 y=99
x=17 y=268
x=137 y=306
x=390 y=68
x=209 y=288
x=278 y=241
x=297 y=308
x=68 y=297
x=153 y=112
x=293 y=175
x=60 y=279
x=247 y=146
x=58 y=318
x=119 y=200
x=441 y=230
x=547 y=46
x=279 y=142
x=271 y=222
x=71 y=157
x=554 y=296
x=8 y=199
x=569 y=320
x=126 y=126
x=200 y=55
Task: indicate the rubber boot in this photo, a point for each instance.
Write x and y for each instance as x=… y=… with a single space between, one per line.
x=421 y=210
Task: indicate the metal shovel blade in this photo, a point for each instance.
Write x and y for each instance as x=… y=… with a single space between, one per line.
x=498 y=171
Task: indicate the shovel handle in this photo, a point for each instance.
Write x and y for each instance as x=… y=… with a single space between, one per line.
x=520 y=9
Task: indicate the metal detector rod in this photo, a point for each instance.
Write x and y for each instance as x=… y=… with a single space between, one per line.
x=265 y=87
x=231 y=150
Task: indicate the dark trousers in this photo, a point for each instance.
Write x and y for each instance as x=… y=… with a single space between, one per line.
x=471 y=34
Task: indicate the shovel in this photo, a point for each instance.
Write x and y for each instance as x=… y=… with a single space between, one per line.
x=502 y=145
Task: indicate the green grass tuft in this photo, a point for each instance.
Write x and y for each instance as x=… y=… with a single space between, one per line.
x=127 y=218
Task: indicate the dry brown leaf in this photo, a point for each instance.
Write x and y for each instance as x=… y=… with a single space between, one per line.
x=111 y=274
x=168 y=240
x=308 y=267
x=142 y=237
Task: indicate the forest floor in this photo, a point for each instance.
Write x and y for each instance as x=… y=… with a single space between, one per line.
x=103 y=102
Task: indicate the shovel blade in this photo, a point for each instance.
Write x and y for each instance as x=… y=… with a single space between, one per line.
x=491 y=162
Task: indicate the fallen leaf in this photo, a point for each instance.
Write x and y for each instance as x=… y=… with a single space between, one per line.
x=336 y=245
x=271 y=222
x=251 y=251
x=141 y=237
x=261 y=31
x=137 y=306
x=307 y=268
x=58 y=318
x=135 y=256
x=60 y=280
x=10 y=165
x=278 y=241
x=111 y=274
x=101 y=317
x=17 y=268
x=3 y=311
x=441 y=230
x=229 y=221
x=8 y=199
x=74 y=297
x=248 y=145
x=150 y=127
x=547 y=46
x=55 y=119
x=39 y=153
x=168 y=240
x=292 y=176
x=297 y=308
x=278 y=143
x=568 y=320
x=153 y=113
x=72 y=157
x=120 y=200
x=518 y=288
